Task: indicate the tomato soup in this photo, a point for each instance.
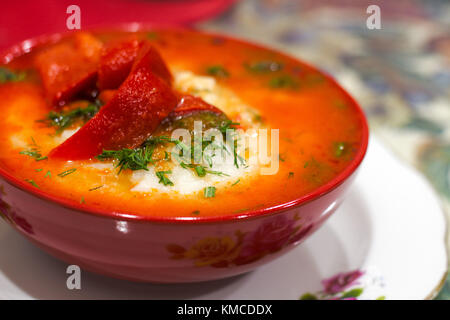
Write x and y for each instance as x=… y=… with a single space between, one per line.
x=90 y=119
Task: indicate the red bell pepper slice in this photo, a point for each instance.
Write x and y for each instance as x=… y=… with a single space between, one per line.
x=140 y=104
x=188 y=105
x=150 y=58
x=69 y=67
x=116 y=62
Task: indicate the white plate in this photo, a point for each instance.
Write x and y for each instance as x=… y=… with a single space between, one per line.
x=390 y=227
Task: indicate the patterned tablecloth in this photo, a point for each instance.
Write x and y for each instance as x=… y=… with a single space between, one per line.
x=400 y=73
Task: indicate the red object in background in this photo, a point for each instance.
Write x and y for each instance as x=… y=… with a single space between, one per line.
x=20 y=20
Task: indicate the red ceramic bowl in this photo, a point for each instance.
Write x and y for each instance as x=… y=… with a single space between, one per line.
x=166 y=250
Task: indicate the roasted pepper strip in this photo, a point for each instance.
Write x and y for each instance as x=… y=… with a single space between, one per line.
x=141 y=102
x=69 y=67
x=116 y=62
x=149 y=57
x=188 y=105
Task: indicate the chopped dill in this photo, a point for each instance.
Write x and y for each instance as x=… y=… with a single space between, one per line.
x=200 y=170
x=264 y=66
x=218 y=71
x=227 y=125
x=236 y=182
x=31 y=181
x=7 y=75
x=67 y=172
x=133 y=159
x=139 y=158
x=48 y=174
x=33 y=152
x=64 y=119
x=258 y=118
x=283 y=81
x=209 y=192
x=163 y=179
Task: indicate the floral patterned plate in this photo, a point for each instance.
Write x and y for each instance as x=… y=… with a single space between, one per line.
x=385 y=242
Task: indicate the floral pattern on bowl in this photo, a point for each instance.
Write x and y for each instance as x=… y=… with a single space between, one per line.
x=243 y=247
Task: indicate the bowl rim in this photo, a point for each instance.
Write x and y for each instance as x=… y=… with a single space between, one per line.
x=26 y=46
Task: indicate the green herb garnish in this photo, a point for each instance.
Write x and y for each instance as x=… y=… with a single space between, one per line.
x=82 y=200
x=258 y=118
x=48 y=174
x=200 y=170
x=139 y=158
x=218 y=71
x=133 y=159
x=31 y=181
x=283 y=81
x=291 y=175
x=64 y=119
x=33 y=152
x=67 y=172
x=264 y=66
x=196 y=212
x=7 y=75
x=163 y=179
x=209 y=192
x=236 y=182
x=227 y=125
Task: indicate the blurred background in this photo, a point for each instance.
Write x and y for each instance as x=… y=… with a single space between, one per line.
x=400 y=74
